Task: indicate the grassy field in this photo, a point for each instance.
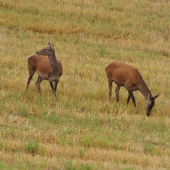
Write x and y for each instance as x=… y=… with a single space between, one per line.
x=80 y=129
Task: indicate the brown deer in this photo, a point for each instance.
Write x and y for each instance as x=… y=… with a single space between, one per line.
x=47 y=68
x=129 y=77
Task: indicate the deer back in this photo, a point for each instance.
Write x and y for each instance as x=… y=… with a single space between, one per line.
x=122 y=73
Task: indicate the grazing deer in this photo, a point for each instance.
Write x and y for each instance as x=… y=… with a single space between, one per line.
x=129 y=77
x=47 y=68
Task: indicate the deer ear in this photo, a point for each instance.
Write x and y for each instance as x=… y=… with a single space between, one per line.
x=52 y=46
x=155 y=96
x=49 y=44
x=149 y=96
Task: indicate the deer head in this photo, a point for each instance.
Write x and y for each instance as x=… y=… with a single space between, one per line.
x=49 y=50
x=150 y=103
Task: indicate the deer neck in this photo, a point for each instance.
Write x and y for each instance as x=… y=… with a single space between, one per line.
x=53 y=62
x=145 y=91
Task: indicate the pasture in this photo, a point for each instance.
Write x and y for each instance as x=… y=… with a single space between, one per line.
x=80 y=129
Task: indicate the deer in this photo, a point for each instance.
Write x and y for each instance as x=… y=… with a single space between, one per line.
x=47 y=66
x=125 y=75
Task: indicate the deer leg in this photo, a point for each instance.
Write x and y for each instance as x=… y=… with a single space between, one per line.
x=132 y=97
x=110 y=89
x=31 y=73
x=51 y=84
x=128 y=99
x=55 y=85
x=38 y=82
x=117 y=92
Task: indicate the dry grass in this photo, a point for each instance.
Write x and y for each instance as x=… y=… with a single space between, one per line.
x=80 y=129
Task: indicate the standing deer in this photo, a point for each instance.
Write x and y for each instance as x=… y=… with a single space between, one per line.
x=47 y=68
x=129 y=77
